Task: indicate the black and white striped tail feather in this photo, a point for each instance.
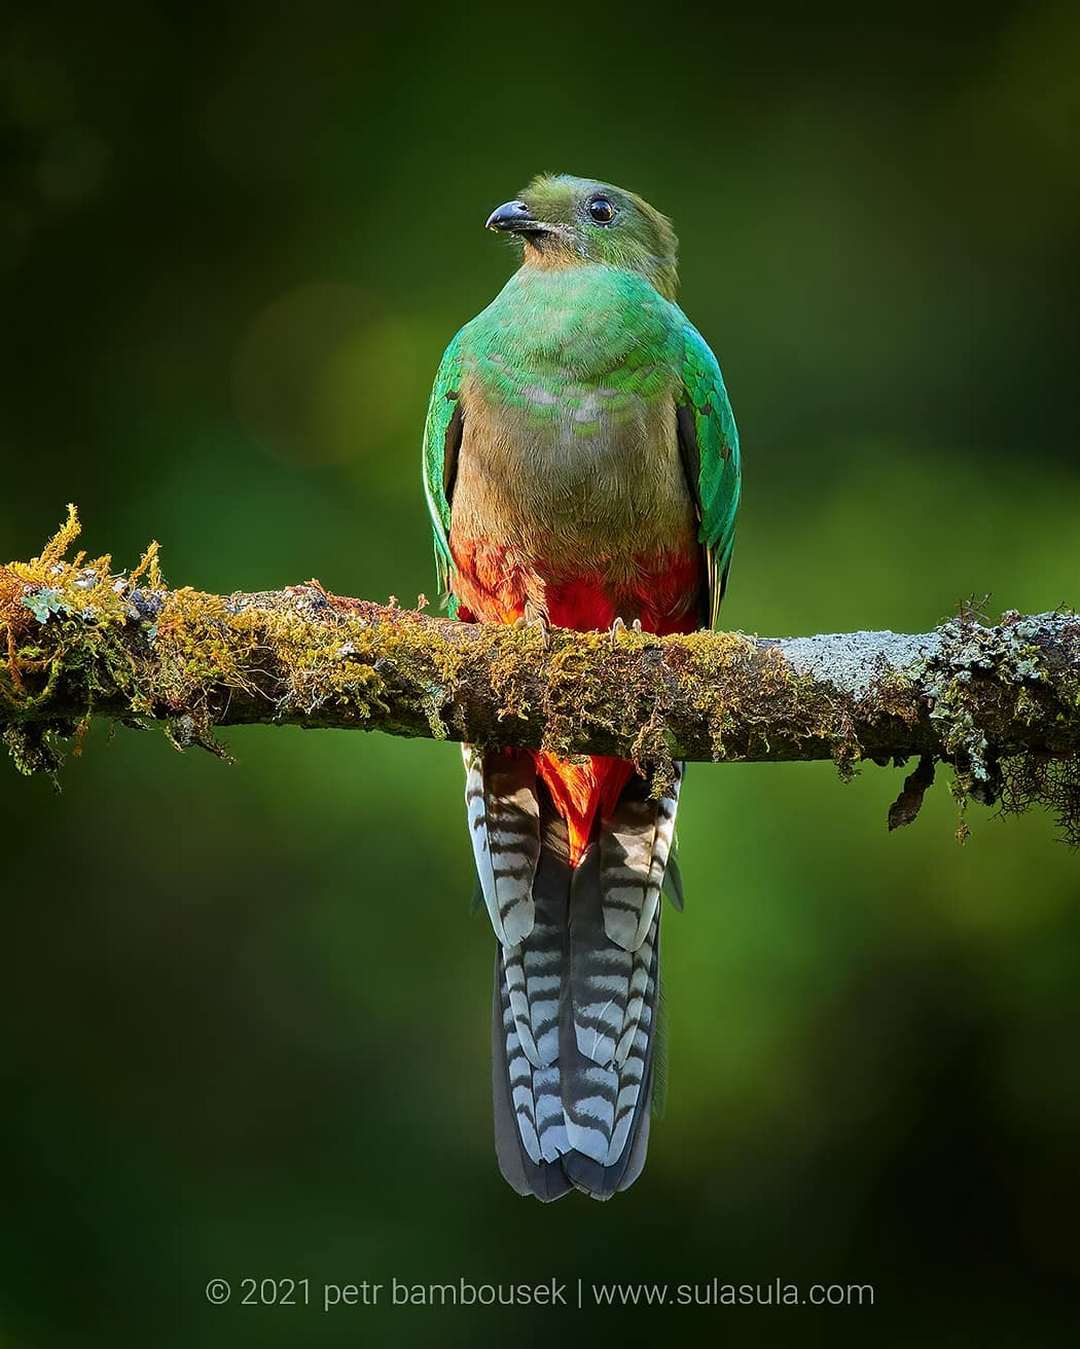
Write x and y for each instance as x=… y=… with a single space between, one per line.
x=570 y=1123
x=608 y=1035
x=575 y=1011
x=503 y=812
x=635 y=845
x=530 y=1129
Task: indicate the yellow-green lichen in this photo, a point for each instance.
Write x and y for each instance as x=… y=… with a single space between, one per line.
x=60 y=616
x=1002 y=704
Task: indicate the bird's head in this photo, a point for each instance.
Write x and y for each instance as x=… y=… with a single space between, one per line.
x=564 y=222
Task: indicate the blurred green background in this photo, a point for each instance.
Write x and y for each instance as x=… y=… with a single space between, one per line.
x=247 y=1008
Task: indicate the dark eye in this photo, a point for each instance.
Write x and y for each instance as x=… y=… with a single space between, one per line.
x=602 y=210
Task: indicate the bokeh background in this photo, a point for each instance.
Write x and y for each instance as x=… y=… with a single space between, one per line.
x=247 y=1007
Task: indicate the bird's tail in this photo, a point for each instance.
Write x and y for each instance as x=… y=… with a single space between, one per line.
x=577 y=976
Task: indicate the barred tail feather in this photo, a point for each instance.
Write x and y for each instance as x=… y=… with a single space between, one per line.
x=635 y=844
x=574 y=1014
x=503 y=812
x=530 y=1127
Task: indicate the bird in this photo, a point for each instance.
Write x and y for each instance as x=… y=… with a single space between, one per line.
x=581 y=470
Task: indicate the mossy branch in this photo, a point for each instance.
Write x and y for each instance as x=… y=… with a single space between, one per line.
x=1000 y=702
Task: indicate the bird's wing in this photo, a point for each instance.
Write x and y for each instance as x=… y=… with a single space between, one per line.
x=442 y=440
x=709 y=444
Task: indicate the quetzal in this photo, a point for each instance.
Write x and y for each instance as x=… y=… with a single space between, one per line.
x=581 y=467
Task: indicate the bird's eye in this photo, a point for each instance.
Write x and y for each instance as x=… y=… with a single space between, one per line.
x=601 y=210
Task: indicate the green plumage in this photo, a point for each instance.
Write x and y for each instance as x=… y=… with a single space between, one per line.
x=572 y=351
x=718 y=470
x=440 y=416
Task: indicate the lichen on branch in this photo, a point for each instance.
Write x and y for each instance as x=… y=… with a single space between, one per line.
x=999 y=702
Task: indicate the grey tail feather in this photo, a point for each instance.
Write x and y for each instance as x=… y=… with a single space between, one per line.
x=572 y=1106
x=530 y=1134
x=544 y=1180
x=660 y=1057
x=673 y=886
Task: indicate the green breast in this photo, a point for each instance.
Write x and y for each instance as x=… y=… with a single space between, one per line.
x=581 y=349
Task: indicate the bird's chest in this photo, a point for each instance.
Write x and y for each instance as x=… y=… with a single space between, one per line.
x=569 y=449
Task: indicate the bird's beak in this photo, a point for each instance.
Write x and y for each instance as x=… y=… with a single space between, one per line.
x=513 y=217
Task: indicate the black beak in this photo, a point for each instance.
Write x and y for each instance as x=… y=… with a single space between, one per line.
x=512 y=217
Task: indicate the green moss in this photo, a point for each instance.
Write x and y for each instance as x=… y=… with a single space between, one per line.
x=985 y=682
x=59 y=621
x=76 y=630
x=75 y=637
x=32 y=749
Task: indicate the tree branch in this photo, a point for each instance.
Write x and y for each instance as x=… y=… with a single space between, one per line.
x=77 y=640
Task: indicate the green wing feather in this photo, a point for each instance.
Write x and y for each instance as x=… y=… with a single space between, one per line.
x=709 y=441
x=442 y=439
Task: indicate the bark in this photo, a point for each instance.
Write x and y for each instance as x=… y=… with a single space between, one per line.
x=81 y=641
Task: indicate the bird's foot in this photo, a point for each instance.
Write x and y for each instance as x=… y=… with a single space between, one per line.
x=619 y=625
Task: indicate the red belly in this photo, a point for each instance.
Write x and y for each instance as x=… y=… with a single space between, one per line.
x=493 y=583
